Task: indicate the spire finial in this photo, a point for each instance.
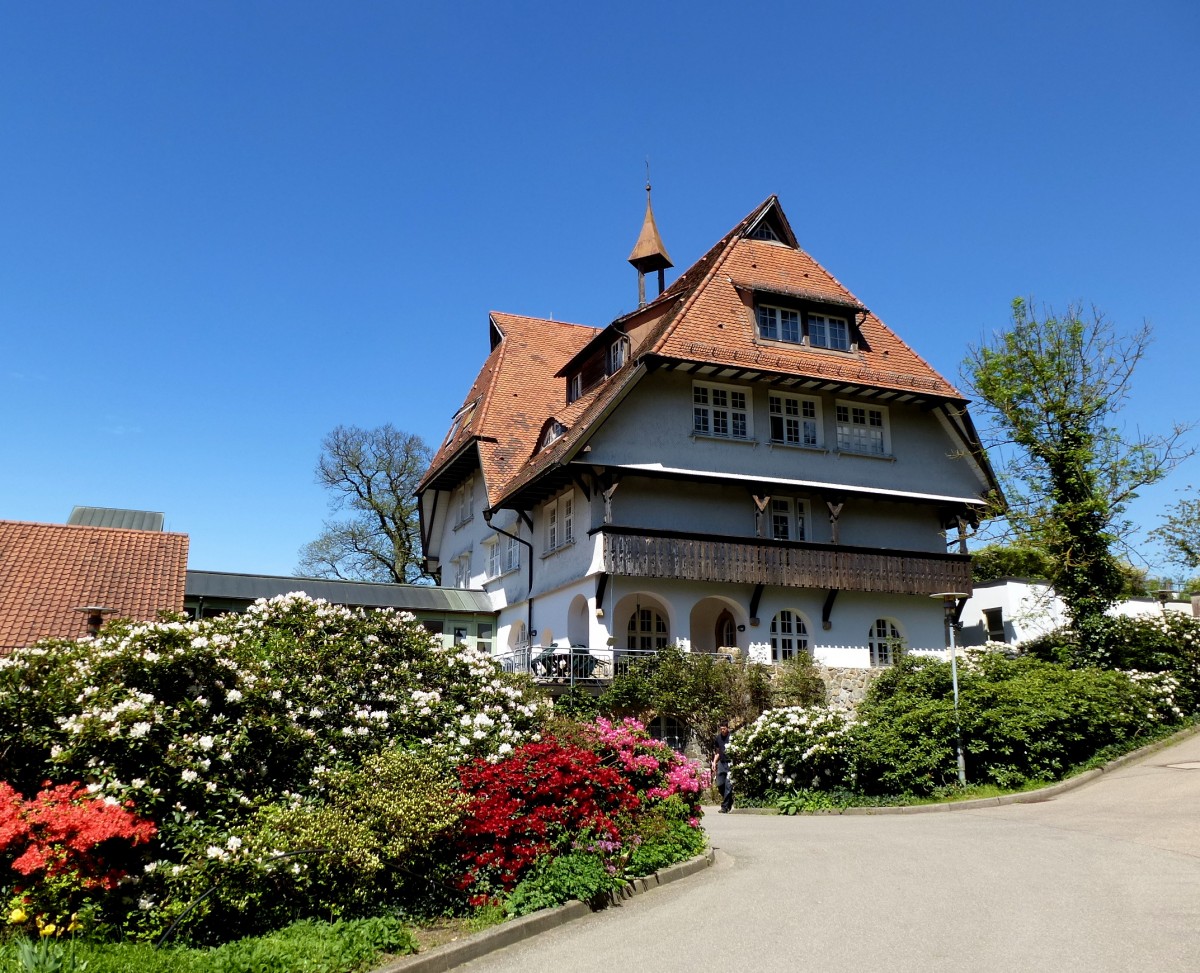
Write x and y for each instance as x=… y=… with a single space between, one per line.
x=649 y=254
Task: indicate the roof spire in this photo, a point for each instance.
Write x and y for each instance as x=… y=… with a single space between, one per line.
x=649 y=253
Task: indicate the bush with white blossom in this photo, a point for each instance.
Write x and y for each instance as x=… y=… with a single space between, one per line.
x=201 y=723
x=791 y=748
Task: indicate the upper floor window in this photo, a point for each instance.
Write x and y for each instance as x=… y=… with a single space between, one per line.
x=827 y=332
x=512 y=554
x=462 y=418
x=863 y=429
x=720 y=410
x=795 y=421
x=789 y=519
x=560 y=522
x=574 y=387
x=778 y=323
x=796 y=326
x=492 y=547
x=764 y=231
x=554 y=432
x=618 y=352
x=462 y=570
x=464 y=498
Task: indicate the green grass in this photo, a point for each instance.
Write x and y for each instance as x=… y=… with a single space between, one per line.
x=303 y=947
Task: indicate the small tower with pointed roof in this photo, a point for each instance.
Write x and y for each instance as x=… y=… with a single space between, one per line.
x=649 y=254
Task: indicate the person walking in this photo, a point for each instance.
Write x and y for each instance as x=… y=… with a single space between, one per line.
x=720 y=767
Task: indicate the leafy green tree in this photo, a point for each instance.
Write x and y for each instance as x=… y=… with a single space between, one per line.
x=1010 y=561
x=373 y=475
x=1180 y=531
x=1051 y=387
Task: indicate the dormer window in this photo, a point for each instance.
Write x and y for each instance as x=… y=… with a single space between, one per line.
x=555 y=431
x=574 y=387
x=462 y=418
x=618 y=353
x=778 y=323
x=764 y=231
x=796 y=326
x=827 y=332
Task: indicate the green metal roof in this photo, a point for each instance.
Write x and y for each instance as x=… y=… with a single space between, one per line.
x=115 y=517
x=365 y=594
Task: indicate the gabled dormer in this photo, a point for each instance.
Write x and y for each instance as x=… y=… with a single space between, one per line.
x=790 y=316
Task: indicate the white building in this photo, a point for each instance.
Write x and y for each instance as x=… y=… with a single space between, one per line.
x=751 y=460
x=1016 y=610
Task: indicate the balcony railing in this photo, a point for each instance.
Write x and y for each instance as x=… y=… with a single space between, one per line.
x=576 y=665
x=638 y=553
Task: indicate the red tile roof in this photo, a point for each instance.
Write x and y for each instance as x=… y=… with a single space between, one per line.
x=513 y=396
x=49 y=570
x=706 y=315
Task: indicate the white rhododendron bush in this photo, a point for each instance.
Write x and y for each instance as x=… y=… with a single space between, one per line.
x=200 y=726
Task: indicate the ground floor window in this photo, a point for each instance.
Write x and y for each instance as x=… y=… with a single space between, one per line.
x=885 y=642
x=789 y=636
x=647 y=630
x=672 y=731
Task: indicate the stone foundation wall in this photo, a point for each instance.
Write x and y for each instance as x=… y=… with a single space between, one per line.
x=845 y=688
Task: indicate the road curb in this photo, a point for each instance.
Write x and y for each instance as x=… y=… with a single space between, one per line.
x=450 y=955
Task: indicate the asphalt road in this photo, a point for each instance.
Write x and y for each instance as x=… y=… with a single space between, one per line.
x=1103 y=878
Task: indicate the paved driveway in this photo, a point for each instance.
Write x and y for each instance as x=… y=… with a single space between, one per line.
x=1104 y=878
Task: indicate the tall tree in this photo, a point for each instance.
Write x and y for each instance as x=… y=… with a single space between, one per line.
x=1051 y=386
x=1180 y=531
x=373 y=475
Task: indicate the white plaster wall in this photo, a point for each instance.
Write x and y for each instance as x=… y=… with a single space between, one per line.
x=654 y=425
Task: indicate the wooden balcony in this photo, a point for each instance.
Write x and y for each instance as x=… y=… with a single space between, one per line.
x=640 y=553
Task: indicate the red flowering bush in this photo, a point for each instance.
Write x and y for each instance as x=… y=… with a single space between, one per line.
x=60 y=851
x=655 y=771
x=533 y=801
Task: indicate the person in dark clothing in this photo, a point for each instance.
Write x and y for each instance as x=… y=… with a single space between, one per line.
x=720 y=768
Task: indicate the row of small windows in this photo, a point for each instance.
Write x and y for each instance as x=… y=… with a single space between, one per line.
x=725 y=412
x=802 y=327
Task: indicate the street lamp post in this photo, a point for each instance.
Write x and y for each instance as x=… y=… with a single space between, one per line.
x=948 y=599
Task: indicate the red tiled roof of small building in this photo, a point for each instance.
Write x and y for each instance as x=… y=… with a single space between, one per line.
x=47 y=571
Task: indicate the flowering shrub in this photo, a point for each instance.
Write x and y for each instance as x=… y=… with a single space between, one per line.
x=202 y=723
x=1022 y=720
x=791 y=747
x=531 y=802
x=653 y=768
x=61 y=851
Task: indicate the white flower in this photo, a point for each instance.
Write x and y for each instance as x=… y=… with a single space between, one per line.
x=139 y=730
x=189 y=775
x=206 y=742
x=233 y=695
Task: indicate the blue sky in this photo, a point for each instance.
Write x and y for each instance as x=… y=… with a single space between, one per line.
x=226 y=228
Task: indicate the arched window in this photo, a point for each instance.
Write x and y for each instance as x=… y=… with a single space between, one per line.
x=789 y=636
x=885 y=642
x=516 y=636
x=647 y=630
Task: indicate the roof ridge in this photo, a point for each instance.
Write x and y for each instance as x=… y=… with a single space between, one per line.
x=123 y=530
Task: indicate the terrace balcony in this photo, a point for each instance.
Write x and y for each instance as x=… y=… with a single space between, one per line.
x=642 y=553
